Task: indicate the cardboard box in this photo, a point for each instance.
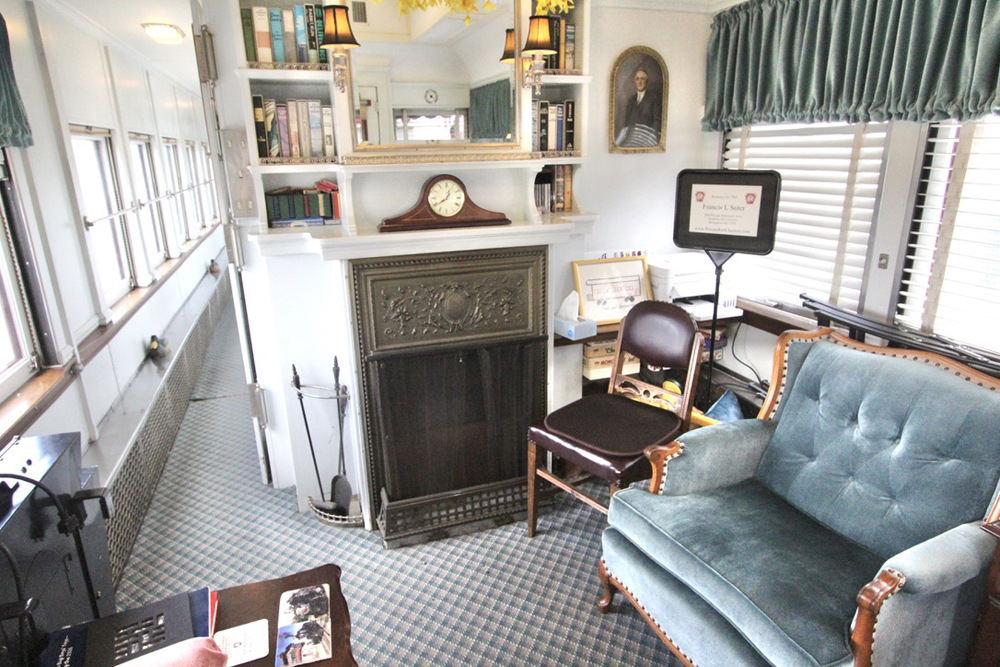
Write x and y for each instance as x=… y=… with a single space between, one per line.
x=581 y=328
x=600 y=348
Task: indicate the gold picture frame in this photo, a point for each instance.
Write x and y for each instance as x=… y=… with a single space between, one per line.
x=608 y=288
x=638 y=125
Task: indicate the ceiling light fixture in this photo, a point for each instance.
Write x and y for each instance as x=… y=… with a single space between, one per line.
x=164 y=33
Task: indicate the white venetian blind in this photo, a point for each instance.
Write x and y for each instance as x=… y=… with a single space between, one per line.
x=829 y=182
x=951 y=279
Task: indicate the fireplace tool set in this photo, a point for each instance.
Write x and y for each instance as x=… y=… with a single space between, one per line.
x=336 y=510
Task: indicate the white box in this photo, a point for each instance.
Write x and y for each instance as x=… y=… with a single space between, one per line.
x=575 y=330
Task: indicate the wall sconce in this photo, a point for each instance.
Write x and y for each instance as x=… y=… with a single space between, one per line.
x=164 y=33
x=539 y=44
x=337 y=38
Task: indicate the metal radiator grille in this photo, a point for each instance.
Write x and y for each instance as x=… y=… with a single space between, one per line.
x=133 y=487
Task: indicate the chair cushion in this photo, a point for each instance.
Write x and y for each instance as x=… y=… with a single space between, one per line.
x=786 y=582
x=887 y=451
x=606 y=434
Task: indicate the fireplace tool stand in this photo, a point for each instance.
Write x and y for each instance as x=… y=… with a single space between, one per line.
x=336 y=511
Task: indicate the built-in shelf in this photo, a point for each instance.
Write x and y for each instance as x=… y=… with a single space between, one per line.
x=286 y=75
x=565 y=79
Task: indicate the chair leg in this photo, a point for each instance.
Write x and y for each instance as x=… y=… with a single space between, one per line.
x=532 y=487
x=604 y=603
x=612 y=490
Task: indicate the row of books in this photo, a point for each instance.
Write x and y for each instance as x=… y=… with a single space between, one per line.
x=554 y=188
x=553 y=125
x=564 y=41
x=293 y=129
x=283 y=35
x=303 y=207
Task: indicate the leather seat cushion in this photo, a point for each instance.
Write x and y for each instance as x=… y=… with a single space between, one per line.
x=785 y=581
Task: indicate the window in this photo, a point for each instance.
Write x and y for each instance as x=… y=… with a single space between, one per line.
x=829 y=182
x=102 y=210
x=189 y=180
x=431 y=125
x=172 y=208
x=951 y=277
x=207 y=186
x=16 y=333
x=149 y=215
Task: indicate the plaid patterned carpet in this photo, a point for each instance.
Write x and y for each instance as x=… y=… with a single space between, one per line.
x=493 y=597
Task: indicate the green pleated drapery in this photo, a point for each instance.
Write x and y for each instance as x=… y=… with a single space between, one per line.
x=491 y=113
x=772 y=61
x=14 y=128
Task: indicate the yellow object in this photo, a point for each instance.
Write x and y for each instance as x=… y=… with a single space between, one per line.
x=698 y=417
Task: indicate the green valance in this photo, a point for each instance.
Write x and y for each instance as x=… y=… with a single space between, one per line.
x=14 y=128
x=491 y=113
x=772 y=61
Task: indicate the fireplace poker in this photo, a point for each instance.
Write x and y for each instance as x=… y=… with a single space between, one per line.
x=340 y=487
x=297 y=385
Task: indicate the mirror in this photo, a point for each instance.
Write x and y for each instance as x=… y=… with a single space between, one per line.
x=427 y=78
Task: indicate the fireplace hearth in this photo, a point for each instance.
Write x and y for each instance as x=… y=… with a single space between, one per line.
x=452 y=351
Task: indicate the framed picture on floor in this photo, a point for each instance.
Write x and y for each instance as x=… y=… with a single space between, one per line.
x=609 y=288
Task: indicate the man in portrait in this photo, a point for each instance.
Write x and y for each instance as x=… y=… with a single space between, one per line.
x=640 y=126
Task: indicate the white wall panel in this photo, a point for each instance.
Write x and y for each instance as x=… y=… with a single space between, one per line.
x=67 y=415
x=133 y=94
x=188 y=113
x=165 y=105
x=100 y=383
x=77 y=60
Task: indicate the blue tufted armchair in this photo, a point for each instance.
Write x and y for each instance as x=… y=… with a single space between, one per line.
x=842 y=526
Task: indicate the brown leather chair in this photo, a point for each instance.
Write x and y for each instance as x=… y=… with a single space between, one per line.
x=605 y=434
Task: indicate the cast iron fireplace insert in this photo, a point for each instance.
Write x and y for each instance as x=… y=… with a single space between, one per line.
x=453 y=351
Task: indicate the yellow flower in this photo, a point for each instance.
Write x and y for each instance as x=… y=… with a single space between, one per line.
x=468 y=7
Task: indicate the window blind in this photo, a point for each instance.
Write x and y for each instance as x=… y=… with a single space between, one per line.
x=951 y=278
x=829 y=183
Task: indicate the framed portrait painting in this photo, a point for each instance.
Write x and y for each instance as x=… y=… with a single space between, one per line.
x=608 y=288
x=637 y=121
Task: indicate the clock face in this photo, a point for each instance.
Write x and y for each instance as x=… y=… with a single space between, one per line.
x=446 y=198
x=431 y=96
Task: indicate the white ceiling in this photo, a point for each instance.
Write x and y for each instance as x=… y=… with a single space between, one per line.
x=123 y=19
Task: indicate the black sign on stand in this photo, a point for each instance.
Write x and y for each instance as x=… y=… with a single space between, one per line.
x=723 y=212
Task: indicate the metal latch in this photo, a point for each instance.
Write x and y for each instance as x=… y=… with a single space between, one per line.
x=258 y=408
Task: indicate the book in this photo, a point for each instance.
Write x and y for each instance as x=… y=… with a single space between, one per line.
x=249 y=47
x=305 y=142
x=543 y=125
x=130 y=634
x=294 y=147
x=570 y=46
x=316 y=129
x=560 y=126
x=568 y=189
x=553 y=130
x=271 y=129
x=298 y=222
x=569 y=132
x=258 y=123
x=262 y=34
x=277 y=35
x=559 y=191
x=534 y=125
x=281 y=116
x=319 y=33
x=329 y=147
x=561 y=41
x=311 y=32
x=288 y=34
x=333 y=190
x=301 y=36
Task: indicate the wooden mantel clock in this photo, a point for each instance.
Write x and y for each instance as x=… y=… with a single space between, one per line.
x=444 y=202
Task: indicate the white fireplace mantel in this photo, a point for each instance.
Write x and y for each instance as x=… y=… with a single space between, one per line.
x=332 y=244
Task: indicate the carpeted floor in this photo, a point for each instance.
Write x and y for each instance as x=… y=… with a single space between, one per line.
x=493 y=597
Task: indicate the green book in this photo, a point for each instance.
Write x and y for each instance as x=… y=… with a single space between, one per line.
x=246 y=18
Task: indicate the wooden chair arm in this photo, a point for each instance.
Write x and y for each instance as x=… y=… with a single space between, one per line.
x=658 y=456
x=870 y=601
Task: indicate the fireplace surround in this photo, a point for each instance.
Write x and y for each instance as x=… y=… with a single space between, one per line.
x=452 y=352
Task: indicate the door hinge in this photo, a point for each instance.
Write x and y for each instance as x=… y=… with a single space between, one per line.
x=258 y=408
x=204 y=52
x=35 y=362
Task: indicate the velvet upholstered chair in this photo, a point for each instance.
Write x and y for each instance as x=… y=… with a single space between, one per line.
x=605 y=435
x=855 y=498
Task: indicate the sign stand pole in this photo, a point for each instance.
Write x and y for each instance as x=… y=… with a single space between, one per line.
x=718 y=259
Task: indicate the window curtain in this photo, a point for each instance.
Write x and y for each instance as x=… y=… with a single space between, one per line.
x=491 y=114
x=14 y=128
x=773 y=61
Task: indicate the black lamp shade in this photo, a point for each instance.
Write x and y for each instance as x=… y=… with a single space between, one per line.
x=337 y=32
x=509 y=55
x=539 y=38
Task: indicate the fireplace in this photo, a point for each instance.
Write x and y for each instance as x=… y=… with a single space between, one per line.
x=452 y=351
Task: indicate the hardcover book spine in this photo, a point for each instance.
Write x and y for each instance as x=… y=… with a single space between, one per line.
x=570 y=123
x=305 y=143
x=288 y=28
x=329 y=147
x=301 y=35
x=319 y=32
x=560 y=189
x=570 y=46
x=271 y=129
x=534 y=125
x=293 y=128
x=258 y=123
x=262 y=34
x=568 y=188
x=311 y=30
x=316 y=145
x=281 y=113
x=560 y=126
x=543 y=125
x=249 y=46
x=553 y=128
x=562 y=44
x=277 y=35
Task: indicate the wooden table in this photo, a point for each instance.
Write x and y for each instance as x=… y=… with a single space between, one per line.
x=251 y=602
